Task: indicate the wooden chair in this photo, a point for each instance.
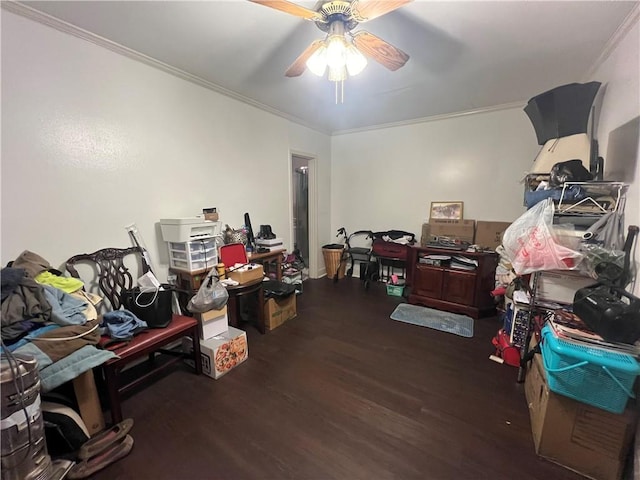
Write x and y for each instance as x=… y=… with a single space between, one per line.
x=113 y=276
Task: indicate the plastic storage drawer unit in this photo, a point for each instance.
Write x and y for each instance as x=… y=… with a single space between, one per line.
x=596 y=376
x=194 y=247
x=193 y=261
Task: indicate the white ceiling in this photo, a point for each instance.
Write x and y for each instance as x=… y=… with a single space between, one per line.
x=465 y=56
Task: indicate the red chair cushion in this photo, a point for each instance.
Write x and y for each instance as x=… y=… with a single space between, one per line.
x=152 y=339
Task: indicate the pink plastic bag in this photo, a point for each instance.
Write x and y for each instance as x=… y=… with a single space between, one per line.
x=530 y=244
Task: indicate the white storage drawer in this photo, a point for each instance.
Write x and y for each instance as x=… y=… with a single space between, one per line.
x=195 y=246
x=193 y=261
x=194 y=256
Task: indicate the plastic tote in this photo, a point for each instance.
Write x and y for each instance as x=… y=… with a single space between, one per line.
x=596 y=376
x=333 y=263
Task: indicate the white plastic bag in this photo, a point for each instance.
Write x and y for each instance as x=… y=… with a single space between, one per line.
x=211 y=295
x=530 y=244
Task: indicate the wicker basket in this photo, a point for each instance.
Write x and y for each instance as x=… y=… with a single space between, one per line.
x=332 y=260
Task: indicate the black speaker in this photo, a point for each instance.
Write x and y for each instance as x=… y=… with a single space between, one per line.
x=603 y=310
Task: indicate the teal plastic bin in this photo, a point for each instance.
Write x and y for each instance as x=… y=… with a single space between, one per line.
x=596 y=376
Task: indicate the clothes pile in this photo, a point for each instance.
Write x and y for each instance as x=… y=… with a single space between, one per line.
x=50 y=317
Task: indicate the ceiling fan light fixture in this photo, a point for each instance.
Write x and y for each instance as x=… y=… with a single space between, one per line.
x=341 y=50
x=317 y=63
x=336 y=51
x=355 y=61
x=337 y=74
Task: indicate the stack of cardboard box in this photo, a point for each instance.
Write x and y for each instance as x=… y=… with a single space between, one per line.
x=583 y=438
x=221 y=347
x=485 y=234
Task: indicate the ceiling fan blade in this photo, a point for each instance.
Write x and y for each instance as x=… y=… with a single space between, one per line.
x=290 y=8
x=298 y=67
x=382 y=52
x=364 y=10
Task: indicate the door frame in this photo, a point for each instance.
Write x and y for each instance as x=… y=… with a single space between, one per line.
x=312 y=175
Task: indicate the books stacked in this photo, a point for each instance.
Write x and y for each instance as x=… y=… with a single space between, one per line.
x=569 y=327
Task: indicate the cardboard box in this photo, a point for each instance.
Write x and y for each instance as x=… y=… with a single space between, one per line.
x=212 y=323
x=489 y=234
x=279 y=310
x=210 y=315
x=585 y=439
x=210 y=213
x=247 y=273
x=561 y=285
x=425 y=238
x=221 y=353
x=462 y=230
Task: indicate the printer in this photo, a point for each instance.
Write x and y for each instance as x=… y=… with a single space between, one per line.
x=189 y=229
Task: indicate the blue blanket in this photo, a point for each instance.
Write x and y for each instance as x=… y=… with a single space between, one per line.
x=54 y=374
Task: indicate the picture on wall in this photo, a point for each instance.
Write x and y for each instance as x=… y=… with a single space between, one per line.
x=446 y=210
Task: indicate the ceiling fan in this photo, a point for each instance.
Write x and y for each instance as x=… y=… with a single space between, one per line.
x=342 y=56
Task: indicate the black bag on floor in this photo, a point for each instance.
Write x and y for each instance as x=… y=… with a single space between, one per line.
x=275 y=289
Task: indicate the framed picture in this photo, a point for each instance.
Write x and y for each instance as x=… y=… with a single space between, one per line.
x=446 y=210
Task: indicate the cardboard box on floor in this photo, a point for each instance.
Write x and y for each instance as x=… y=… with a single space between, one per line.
x=212 y=322
x=489 y=234
x=279 y=310
x=462 y=230
x=221 y=353
x=585 y=439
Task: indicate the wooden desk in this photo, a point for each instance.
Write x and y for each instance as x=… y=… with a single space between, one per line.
x=265 y=258
x=190 y=281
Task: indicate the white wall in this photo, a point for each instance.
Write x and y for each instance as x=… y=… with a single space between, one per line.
x=620 y=77
x=387 y=178
x=93 y=141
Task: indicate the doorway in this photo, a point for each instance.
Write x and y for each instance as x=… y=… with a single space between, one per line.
x=300 y=201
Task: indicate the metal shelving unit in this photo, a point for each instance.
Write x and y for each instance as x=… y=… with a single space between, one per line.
x=595 y=200
x=599 y=198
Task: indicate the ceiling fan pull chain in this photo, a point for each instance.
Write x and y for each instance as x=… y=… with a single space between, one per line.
x=341 y=91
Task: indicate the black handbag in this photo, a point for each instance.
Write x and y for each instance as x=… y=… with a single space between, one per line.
x=152 y=306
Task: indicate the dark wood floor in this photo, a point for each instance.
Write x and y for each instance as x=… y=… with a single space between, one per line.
x=340 y=392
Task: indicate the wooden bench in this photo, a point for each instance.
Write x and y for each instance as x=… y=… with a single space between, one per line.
x=113 y=277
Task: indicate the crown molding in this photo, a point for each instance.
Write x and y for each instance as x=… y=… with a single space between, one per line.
x=60 y=25
x=621 y=32
x=435 y=118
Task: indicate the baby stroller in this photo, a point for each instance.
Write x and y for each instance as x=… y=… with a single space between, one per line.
x=358 y=248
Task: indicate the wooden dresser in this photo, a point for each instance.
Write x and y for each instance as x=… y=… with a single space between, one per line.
x=446 y=288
